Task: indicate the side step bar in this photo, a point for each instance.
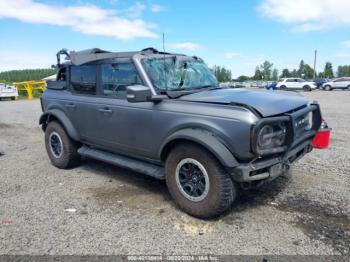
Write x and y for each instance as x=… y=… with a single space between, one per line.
x=123 y=161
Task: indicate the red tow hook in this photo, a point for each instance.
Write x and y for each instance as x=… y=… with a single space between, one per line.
x=322 y=137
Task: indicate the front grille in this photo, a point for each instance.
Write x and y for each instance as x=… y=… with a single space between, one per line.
x=305 y=123
x=302 y=124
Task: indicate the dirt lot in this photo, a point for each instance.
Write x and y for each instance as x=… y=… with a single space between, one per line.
x=122 y=212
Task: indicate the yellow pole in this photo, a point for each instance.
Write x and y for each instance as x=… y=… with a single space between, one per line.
x=29 y=90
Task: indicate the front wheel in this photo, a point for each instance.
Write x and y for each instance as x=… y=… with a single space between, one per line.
x=197 y=181
x=62 y=150
x=328 y=88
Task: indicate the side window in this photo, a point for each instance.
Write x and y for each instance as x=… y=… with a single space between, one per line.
x=62 y=74
x=290 y=80
x=83 y=79
x=116 y=77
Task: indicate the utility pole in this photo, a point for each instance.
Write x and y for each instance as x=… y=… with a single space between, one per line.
x=315 y=64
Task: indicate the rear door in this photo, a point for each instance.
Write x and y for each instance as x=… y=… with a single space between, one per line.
x=344 y=83
x=291 y=83
x=338 y=83
x=81 y=105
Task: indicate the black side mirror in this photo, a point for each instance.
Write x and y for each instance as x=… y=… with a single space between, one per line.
x=138 y=93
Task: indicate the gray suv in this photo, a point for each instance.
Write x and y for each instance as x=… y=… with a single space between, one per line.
x=164 y=115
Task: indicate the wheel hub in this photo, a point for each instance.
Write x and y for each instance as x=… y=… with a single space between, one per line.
x=192 y=179
x=56 y=144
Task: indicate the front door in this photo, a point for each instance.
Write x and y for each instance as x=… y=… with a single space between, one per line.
x=121 y=126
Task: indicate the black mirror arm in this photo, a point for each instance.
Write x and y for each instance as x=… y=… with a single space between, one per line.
x=158 y=98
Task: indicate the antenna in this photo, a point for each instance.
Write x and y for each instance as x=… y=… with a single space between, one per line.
x=315 y=58
x=164 y=64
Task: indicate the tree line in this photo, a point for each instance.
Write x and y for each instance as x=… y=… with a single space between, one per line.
x=267 y=72
x=25 y=75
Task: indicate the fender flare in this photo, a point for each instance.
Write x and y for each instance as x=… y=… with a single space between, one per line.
x=47 y=116
x=205 y=139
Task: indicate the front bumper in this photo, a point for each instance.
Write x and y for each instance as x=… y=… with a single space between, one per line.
x=269 y=169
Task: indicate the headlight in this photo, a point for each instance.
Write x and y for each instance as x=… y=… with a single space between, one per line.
x=265 y=136
x=271 y=138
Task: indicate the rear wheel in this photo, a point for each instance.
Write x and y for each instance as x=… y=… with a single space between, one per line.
x=348 y=87
x=13 y=98
x=283 y=87
x=62 y=150
x=306 y=88
x=197 y=181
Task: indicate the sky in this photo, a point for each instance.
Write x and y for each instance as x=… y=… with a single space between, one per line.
x=236 y=34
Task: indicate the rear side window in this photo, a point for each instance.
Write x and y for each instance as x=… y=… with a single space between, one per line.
x=83 y=79
x=116 y=77
x=290 y=80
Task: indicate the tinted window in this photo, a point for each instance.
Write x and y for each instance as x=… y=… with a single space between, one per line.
x=290 y=80
x=61 y=76
x=83 y=79
x=116 y=77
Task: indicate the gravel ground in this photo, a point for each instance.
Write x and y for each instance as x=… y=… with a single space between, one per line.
x=121 y=212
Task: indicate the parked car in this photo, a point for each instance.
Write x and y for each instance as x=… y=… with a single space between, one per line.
x=295 y=83
x=320 y=81
x=207 y=142
x=8 y=91
x=339 y=83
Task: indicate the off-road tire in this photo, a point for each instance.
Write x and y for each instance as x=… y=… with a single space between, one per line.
x=70 y=156
x=222 y=190
x=307 y=88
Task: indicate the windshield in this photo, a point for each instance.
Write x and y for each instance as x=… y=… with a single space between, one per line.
x=175 y=74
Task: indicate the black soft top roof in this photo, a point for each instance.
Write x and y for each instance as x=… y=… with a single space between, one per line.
x=95 y=54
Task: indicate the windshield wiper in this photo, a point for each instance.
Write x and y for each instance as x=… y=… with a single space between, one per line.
x=209 y=87
x=178 y=92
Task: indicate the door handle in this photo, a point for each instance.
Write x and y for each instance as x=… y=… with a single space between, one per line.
x=105 y=110
x=70 y=106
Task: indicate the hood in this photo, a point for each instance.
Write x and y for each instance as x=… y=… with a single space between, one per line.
x=267 y=103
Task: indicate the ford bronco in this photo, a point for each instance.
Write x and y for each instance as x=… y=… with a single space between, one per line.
x=164 y=115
